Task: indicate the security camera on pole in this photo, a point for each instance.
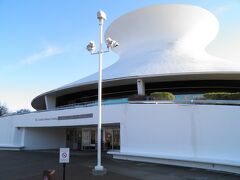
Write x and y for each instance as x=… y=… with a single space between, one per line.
x=91 y=47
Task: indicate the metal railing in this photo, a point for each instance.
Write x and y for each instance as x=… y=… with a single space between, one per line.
x=203 y=102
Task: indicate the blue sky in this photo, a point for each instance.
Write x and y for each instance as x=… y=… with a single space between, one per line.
x=42 y=42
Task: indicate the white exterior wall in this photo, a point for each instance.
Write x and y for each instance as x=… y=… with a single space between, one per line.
x=10 y=136
x=194 y=133
x=45 y=138
x=164 y=127
x=201 y=131
x=42 y=130
x=111 y=114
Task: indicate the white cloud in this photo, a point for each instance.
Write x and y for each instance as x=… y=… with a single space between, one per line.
x=48 y=51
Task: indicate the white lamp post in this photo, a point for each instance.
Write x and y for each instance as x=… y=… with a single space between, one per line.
x=92 y=48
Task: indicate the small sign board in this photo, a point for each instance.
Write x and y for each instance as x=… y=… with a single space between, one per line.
x=64 y=155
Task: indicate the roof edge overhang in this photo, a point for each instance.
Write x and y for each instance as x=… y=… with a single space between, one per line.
x=38 y=101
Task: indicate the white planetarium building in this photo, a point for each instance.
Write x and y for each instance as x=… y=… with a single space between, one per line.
x=162 y=49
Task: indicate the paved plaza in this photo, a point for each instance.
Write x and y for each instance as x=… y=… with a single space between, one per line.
x=29 y=165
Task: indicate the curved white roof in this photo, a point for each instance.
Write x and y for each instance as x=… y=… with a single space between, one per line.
x=162 y=40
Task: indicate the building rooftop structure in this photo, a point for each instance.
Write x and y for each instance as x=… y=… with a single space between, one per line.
x=160 y=43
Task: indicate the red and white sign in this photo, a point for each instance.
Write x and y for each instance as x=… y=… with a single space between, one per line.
x=64 y=155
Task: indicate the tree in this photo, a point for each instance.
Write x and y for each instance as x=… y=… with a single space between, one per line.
x=3 y=109
x=23 y=111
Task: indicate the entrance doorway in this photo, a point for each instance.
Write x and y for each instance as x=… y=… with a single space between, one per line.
x=89 y=137
x=74 y=138
x=112 y=139
x=85 y=138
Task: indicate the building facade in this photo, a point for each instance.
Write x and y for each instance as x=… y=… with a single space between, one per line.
x=162 y=48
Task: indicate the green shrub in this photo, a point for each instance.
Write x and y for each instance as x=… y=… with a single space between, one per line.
x=162 y=96
x=221 y=96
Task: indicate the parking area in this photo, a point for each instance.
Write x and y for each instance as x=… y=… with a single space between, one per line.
x=29 y=165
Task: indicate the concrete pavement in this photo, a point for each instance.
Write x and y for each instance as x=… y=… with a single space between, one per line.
x=29 y=165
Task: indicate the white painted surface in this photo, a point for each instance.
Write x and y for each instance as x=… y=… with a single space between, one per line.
x=188 y=131
x=49 y=118
x=196 y=133
x=140 y=87
x=162 y=40
x=50 y=102
x=44 y=138
x=10 y=136
x=203 y=164
x=42 y=130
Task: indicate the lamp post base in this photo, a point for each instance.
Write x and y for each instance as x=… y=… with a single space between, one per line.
x=99 y=171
